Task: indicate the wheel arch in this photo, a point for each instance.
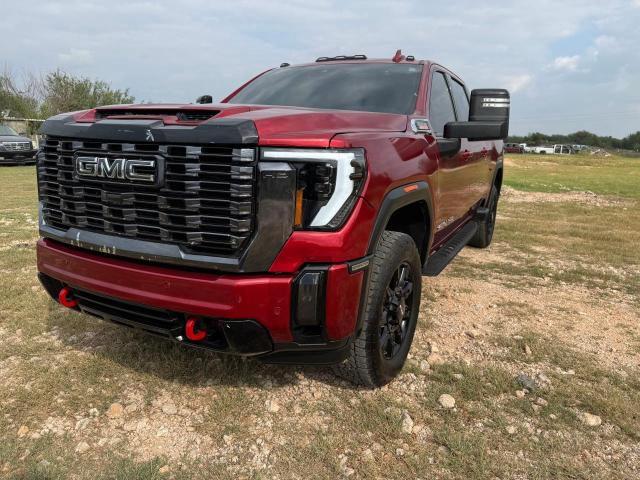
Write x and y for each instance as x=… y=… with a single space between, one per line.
x=407 y=209
x=399 y=201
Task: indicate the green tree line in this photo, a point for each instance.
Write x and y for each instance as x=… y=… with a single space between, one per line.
x=53 y=93
x=630 y=142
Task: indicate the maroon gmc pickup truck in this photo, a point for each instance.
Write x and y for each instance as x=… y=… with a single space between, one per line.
x=291 y=222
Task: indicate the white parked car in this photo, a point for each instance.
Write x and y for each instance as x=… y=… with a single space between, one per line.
x=562 y=149
x=544 y=150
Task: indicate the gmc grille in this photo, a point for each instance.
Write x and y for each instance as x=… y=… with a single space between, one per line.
x=205 y=204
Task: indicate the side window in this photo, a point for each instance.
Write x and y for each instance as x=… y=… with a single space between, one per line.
x=461 y=100
x=440 y=106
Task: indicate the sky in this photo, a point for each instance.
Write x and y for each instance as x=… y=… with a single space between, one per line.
x=569 y=65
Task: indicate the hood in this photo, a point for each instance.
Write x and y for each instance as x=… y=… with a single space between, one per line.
x=13 y=138
x=276 y=125
x=286 y=125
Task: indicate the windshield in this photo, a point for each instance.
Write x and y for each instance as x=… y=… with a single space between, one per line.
x=4 y=130
x=370 y=87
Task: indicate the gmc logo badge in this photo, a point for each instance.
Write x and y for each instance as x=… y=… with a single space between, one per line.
x=133 y=169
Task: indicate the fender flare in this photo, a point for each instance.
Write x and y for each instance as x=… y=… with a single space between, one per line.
x=396 y=199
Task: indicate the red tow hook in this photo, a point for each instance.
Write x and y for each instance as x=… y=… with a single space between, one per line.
x=65 y=297
x=194 y=329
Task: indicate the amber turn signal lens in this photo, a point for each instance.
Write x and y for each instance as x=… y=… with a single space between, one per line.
x=297 y=219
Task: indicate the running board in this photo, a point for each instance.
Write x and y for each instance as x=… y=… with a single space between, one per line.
x=439 y=260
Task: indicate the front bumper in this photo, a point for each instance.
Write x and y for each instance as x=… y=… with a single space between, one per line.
x=255 y=314
x=17 y=157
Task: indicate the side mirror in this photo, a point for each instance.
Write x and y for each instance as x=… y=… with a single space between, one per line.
x=488 y=117
x=204 y=99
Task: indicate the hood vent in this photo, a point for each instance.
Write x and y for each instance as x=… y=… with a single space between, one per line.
x=181 y=115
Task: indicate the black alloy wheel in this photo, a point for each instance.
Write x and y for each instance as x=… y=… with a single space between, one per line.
x=396 y=311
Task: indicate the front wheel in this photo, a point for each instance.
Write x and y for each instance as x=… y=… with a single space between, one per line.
x=391 y=313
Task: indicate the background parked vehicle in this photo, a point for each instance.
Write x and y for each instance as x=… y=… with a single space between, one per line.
x=15 y=148
x=526 y=148
x=513 y=148
x=544 y=150
x=563 y=149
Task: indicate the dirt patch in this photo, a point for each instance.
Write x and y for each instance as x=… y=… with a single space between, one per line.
x=596 y=322
x=510 y=162
x=587 y=198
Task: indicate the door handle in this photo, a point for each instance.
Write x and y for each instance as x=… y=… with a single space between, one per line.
x=466 y=155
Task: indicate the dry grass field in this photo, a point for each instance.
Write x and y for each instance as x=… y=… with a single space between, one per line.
x=537 y=339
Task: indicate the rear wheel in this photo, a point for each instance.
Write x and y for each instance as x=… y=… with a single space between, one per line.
x=484 y=235
x=391 y=313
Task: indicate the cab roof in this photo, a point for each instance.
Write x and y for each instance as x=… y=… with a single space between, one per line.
x=359 y=58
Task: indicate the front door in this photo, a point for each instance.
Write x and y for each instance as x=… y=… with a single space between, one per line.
x=454 y=173
x=479 y=166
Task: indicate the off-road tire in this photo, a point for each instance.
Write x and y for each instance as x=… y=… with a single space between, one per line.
x=484 y=235
x=367 y=363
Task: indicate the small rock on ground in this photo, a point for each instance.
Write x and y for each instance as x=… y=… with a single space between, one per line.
x=542 y=402
x=115 y=410
x=82 y=447
x=407 y=423
x=272 y=406
x=527 y=382
x=447 y=401
x=435 y=359
x=590 y=420
x=542 y=378
x=473 y=333
x=367 y=455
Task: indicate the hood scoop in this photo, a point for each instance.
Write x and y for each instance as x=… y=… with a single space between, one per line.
x=152 y=113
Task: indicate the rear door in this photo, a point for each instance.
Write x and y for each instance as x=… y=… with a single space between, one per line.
x=454 y=175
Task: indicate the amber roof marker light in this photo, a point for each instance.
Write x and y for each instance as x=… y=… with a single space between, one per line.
x=398 y=57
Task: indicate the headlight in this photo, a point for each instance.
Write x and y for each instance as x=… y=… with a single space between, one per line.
x=327 y=186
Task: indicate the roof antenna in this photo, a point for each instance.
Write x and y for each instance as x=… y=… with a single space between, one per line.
x=398 y=57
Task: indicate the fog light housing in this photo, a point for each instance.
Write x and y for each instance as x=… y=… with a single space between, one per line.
x=309 y=304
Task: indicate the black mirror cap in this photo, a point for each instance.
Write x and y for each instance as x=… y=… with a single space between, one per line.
x=477 y=130
x=488 y=116
x=204 y=99
x=491 y=105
